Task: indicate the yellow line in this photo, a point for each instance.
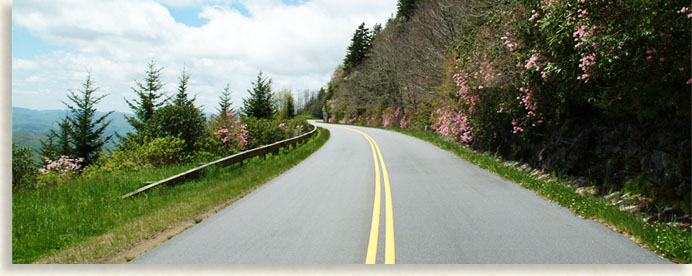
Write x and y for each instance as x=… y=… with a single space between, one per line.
x=371 y=256
x=389 y=251
x=389 y=254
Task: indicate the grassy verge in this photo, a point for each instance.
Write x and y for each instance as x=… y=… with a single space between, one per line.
x=666 y=240
x=86 y=221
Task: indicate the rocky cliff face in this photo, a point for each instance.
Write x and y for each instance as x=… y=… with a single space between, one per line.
x=651 y=159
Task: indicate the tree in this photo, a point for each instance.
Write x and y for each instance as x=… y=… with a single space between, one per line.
x=86 y=131
x=287 y=104
x=149 y=97
x=181 y=98
x=405 y=9
x=259 y=104
x=360 y=44
x=225 y=102
x=57 y=143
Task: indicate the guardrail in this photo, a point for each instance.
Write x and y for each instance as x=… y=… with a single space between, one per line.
x=227 y=161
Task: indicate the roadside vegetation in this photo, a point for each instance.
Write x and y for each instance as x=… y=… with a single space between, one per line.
x=75 y=196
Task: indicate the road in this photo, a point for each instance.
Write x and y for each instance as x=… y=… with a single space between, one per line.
x=433 y=208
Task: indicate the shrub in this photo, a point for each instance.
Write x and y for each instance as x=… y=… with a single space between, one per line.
x=133 y=156
x=186 y=122
x=226 y=134
x=24 y=170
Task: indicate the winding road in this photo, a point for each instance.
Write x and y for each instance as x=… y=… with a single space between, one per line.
x=377 y=196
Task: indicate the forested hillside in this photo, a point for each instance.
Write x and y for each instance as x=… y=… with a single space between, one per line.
x=596 y=90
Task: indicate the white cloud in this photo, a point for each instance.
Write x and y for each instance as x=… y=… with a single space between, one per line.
x=297 y=46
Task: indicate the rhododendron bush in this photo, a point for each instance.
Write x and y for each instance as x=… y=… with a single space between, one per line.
x=539 y=62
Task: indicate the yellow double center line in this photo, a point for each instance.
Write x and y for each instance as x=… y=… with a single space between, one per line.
x=389 y=254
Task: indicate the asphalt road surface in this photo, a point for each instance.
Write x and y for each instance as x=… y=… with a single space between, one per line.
x=431 y=207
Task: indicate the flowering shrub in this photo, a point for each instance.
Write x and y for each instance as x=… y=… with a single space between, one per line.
x=232 y=133
x=454 y=124
x=63 y=166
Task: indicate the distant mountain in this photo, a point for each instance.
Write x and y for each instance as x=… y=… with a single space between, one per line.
x=29 y=126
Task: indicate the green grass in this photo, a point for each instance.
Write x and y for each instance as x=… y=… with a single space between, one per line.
x=666 y=240
x=86 y=220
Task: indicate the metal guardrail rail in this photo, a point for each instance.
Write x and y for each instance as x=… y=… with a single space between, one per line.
x=227 y=161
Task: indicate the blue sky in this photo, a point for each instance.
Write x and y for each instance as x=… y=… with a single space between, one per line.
x=296 y=43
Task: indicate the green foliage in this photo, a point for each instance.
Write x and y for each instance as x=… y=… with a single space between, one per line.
x=85 y=130
x=186 y=122
x=149 y=98
x=621 y=59
x=225 y=102
x=24 y=170
x=260 y=103
x=287 y=106
x=57 y=143
x=181 y=98
x=135 y=156
x=405 y=8
x=264 y=131
x=357 y=51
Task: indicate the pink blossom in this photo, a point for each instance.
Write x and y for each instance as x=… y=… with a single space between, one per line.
x=532 y=62
x=689 y=81
x=662 y=59
x=282 y=125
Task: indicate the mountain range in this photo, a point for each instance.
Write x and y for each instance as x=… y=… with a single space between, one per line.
x=30 y=126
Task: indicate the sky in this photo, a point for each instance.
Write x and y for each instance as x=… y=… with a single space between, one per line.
x=297 y=43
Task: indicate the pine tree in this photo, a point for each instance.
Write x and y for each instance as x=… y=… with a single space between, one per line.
x=57 y=143
x=360 y=44
x=260 y=103
x=225 y=101
x=181 y=98
x=86 y=131
x=149 y=97
x=405 y=9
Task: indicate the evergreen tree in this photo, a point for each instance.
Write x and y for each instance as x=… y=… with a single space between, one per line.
x=260 y=103
x=86 y=131
x=181 y=98
x=375 y=30
x=405 y=9
x=149 y=97
x=57 y=143
x=360 y=44
x=225 y=101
